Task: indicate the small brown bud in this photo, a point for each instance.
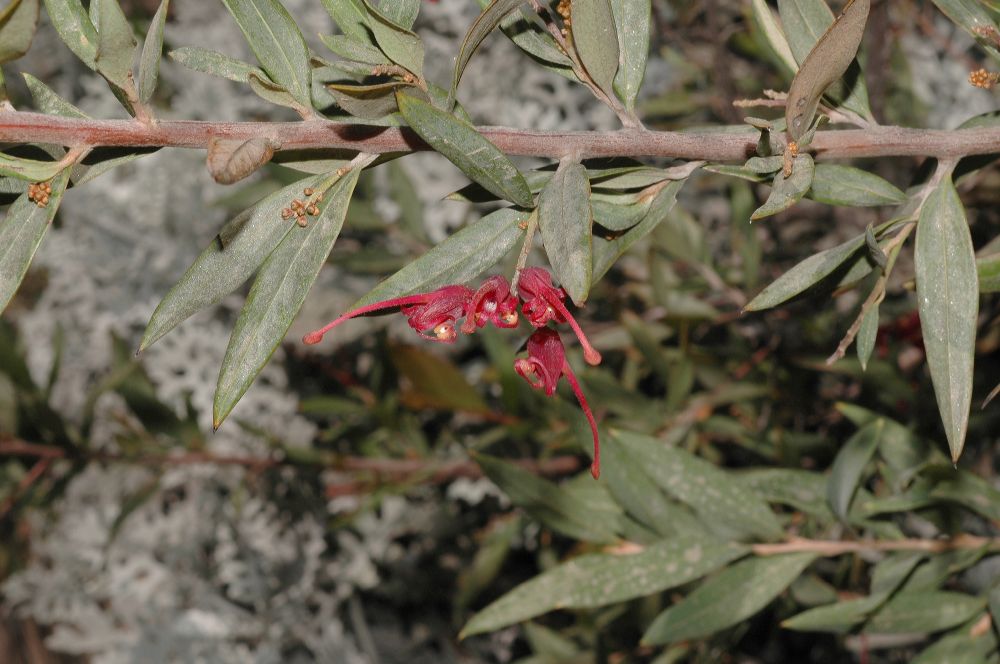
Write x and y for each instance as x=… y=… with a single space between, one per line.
x=312 y=210
x=301 y=221
x=308 y=191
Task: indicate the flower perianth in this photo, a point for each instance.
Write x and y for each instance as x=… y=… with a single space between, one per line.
x=436 y=311
x=595 y=466
x=546 y=357
x=545 y=364
x=492 y=302
x=544 y=302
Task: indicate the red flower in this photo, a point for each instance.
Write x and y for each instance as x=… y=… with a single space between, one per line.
x=544 y=302
x=493 y=302
x=436 y=311
x=545 y=365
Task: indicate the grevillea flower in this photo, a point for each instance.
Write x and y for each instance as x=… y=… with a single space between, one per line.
x=544 y=302
x=492 y=303
x=436 y=311
x=545 y=365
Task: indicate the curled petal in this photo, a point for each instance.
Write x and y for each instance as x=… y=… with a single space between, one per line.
x=544 y=302
x=436 y=311
x=492 y=302
x=595 y=466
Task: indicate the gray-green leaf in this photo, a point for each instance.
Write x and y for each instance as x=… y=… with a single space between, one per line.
x=465 y=147
x=786 y=192
x=632 y=20
x=849 y=464
x=596 y=41
x=18 y=22
x=565 y=221
x=400 y=45
x=721 y=502
x=115 y=43
x=152 y=48
x=21 y=231
x=731 y=596
x=483 y=25
x=600 y=579
x=457 y=260
x=32 y=170
x=805 y=274
x=215 y=63
x=948 y=302
x=227 y=261
x=917 y=612
x=73 y=24
x=279 y=290
x=276 y=41
x=846 y=185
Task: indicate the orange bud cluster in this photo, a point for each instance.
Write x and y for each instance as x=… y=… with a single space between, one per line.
x=984 y=79
x=299 y=209
x=39 y=193
x=564 y=10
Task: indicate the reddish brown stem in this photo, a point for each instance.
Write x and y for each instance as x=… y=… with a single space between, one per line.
x=883 y=141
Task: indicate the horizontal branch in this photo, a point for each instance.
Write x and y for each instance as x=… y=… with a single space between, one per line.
x=734 y=145
x=831 y=548
x=421 y=471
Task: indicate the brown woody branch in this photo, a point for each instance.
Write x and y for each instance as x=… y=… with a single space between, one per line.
x=831 y=548
x=420 y=471
x=737 y=145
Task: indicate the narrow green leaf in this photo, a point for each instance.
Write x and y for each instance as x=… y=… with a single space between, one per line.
x=399 y=44
x=786 y=192
x=483 y=25
x=867 y=334
x=805 y=22
x=227 y=261
x=459 y=259
x=961 y=647
x=435 y=382
x=764 y=165
x=633 y=487
x=554 y=505
x=276 y=41
x=367 y=101
x=472 y=153
x=720 y=501
x=802 y=490
x=75 y=28
x=47 y=101
x=846 y=185
x=214 y=63
x=18 y=22
x=21 y=232
x=115 y=43
x=279 y=290
x=836 y=618
x=276 y=94
x=827 y=61
x=968 y=490
x=152 y=49
x=596 y=40
x=741 y=172
x=767 y=23
x=918 y=612
x=606 y=252
x=849 y=464
x=353 y=49
x=805 y=274
x=533 y=39
x=351 y=17
x=729 y=597
x=632 y=22
x=988 y=272
x=970 y=15
x=600 y=579
x=948 y=302
x=31 y=170
x=565 y=222
x=401 y=12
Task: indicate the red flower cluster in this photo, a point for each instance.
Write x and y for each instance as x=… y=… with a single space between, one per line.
x=434 y=316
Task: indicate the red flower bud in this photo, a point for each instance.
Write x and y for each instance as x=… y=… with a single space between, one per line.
x=493 y=302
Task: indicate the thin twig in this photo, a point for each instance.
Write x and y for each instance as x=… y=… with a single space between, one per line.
x=522 y=258
x=32 y=476
x=832 y=548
